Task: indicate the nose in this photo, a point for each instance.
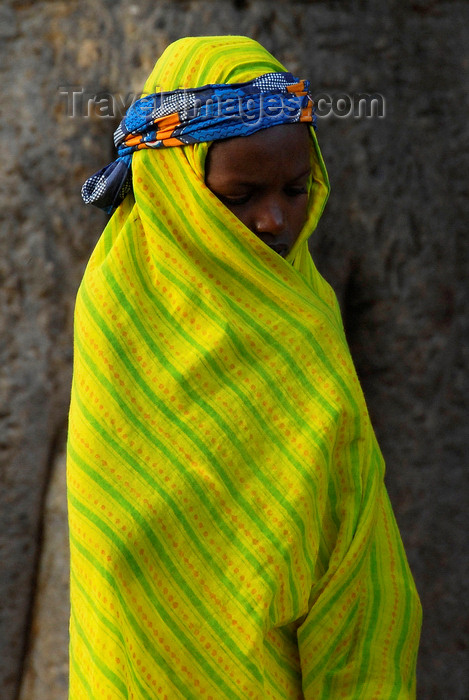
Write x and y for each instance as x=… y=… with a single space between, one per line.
x=269 y=217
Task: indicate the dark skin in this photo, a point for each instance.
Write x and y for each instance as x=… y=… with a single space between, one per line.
x=263 y=179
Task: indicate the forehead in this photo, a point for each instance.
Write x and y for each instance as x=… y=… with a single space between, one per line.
x=284 y=149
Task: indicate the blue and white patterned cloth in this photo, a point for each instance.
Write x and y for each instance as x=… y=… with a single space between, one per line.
x=186 y=116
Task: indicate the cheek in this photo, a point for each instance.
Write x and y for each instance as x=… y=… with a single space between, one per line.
x=241 y=213
x=299 y=213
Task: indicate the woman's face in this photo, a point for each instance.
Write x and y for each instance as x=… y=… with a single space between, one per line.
x=263 y=180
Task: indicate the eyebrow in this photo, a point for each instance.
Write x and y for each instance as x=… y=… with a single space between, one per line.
x=303 y=174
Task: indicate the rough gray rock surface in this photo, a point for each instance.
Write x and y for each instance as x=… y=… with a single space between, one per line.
x=393 y=242
x=46 y=669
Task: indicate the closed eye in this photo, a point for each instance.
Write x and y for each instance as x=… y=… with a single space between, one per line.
x=233 y=201
x=296 y=191
x=299 y=185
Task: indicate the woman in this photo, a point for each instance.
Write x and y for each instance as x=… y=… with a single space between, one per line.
x=231 y=536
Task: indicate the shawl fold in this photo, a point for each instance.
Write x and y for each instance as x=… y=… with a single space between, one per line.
x=231 y=536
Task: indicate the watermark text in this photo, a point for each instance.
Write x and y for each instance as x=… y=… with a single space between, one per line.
x=78 y=102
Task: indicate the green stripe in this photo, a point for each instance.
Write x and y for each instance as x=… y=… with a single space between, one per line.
x=76 y=668
x=319 y=670
x=159 y=547
x=257 y=292
x=212 y=362
x=178 y=513
x=189 y=433
x=340 y=591
x=282 y=661
x=406 y=612
x=217 y=369
x=372 y=618
x=137 y=629
x=111 y=443
x=168 y=619
x=75 y=581
x=212 y=213
x=157 y=403
x=105 y=670
x=267 y=378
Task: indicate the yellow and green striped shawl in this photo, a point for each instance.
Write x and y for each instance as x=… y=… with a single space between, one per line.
x=231 y=536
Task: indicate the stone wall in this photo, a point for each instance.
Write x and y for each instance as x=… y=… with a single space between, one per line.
x=393 y=242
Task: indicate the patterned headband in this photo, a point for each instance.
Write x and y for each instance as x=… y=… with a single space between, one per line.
x=186 y=116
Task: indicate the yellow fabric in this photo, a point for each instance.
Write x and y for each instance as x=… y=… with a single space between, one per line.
x=231 y=536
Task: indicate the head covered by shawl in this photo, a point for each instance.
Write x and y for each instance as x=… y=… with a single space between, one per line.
x=220 y=61
x=230 y=532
